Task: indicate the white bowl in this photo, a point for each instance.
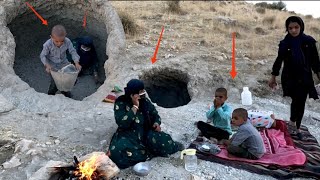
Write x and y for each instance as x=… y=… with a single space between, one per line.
x=142 y=168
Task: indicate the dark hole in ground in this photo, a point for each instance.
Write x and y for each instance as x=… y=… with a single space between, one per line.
x=167 y=88
x=6 y=150
x=30 y=35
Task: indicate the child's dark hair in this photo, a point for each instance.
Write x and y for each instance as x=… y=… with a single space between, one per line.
x=243 y=113
x=222 y=90
x=296 y=19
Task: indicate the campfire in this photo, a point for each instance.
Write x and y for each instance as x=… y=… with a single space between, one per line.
x=94 y=167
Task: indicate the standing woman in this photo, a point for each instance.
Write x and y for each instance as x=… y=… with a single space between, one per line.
x=299 y=54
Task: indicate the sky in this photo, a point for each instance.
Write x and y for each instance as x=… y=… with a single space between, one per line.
x=302 y=7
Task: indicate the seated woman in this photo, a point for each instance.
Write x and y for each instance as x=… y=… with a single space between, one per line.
x=139 y=136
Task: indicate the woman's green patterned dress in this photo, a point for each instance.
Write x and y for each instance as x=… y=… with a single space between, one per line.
x=132 y=142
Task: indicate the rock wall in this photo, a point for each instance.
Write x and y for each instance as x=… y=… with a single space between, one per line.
x=18 y=92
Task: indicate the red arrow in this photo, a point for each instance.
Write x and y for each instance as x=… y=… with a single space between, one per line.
x=45 y=22
x=233 y=71
x=85 y=20
x=154 y=58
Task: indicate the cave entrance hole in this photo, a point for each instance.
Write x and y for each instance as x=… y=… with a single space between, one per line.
x=167 y=87
x=30 y=35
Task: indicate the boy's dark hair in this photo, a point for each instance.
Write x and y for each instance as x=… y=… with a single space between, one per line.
x=222 y=90
x=243 y=113
x=59 y=31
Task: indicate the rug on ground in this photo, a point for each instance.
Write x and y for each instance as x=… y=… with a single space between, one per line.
x=286 y=156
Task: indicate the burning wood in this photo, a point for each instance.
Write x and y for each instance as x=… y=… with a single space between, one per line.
x=94 y=166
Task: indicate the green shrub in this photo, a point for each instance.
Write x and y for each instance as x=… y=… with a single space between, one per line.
x=309 y=16
x=261 y=10
x=276 y=5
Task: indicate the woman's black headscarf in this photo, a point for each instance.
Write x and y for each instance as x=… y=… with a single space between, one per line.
x=87 y=41
x=133 y=87
x=296 y=19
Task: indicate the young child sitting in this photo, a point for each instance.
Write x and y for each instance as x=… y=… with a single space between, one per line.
x=220 y=115
x=247 y=142
x=54 y=55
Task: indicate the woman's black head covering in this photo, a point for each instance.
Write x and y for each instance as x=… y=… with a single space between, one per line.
x=133 y=87
x=87 y=41
x=296 y=19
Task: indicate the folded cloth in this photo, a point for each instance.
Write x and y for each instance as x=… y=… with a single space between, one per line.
x=110 y=98
x=260 y=118
x=113 y=95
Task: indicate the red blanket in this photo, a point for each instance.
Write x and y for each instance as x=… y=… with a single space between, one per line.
x=308 y=145
x=278 y=150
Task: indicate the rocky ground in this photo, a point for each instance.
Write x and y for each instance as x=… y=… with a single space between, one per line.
x=36 y=128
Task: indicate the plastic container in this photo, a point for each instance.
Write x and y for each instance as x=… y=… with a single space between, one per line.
x=142 y=168
x=65 y=77
x=190 y=159
x=246 y=97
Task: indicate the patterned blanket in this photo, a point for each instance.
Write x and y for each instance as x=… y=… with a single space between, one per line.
x=308 y=145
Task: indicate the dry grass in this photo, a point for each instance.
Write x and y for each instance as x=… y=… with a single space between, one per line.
x=258 y=34
x=174 y=6
x=129 y=25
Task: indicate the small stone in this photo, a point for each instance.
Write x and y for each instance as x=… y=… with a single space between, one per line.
x=73 y=150
x=48 y=143
x=145 y=42
x=23 y=145
x=34 y=152
x=6 y=146
x=99 y=113
x=219 y=58
x=261 y=62
x=103 y=142
x=13 y=162
x=194 y=177
x=57 y=141
x=169 y=56
x=88 y=129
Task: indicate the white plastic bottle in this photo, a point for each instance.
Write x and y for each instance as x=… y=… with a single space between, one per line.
x=246 y=97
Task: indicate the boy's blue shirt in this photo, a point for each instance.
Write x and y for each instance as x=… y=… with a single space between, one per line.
x=221 y=117
x=57 y=57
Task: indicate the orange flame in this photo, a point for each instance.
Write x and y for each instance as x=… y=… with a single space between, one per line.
x=87 y=168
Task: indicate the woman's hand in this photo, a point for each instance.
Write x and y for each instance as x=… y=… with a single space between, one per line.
x=272 y=82
x=157 y=127
x=135 y=99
